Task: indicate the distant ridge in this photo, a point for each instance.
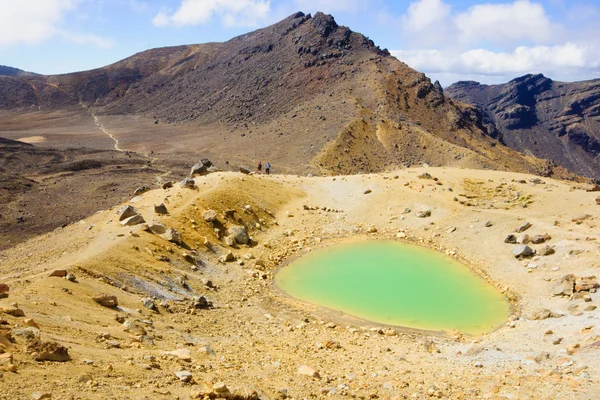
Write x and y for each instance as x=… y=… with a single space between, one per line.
x=305 y=92
x=10 y=71
x=533 y=114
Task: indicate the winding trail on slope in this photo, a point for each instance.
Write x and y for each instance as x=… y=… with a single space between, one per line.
x=99 y=125
x=103 y=129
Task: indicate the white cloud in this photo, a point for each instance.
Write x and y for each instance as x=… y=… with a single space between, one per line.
x=34 y=22
x=565 y=61
x=328 y=6
x=495 y=41
x=233 y=13
x=505 y=23
x=31 y=21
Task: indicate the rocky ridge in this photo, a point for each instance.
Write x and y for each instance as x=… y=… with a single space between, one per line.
x=328 y=98
x=533 y=114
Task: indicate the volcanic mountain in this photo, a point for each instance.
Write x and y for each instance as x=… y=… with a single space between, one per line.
x=536 y=115
x=305 y=94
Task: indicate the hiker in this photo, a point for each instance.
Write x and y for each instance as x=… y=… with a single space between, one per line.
x=268 y=168
x=259 y=166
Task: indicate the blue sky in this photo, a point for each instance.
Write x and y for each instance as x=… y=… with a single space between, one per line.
x=489 y=41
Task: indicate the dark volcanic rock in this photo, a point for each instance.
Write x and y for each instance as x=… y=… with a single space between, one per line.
x=557 y=121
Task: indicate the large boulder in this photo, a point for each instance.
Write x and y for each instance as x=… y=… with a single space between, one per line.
x=141 y=190
x=523 y=251
x=239 y=233
x=585 y=283
x=134 y=220
x=210 y=215
x=201 y=167
x=106 y=300
x=188 y=183
x=565 y=287
x=157 y=228
x=539 y=239
x=48 y=351
x=161 y=209
x=172 y=235
x=511 y=239
x=127 y=212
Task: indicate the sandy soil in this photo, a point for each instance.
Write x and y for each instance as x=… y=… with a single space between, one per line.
x=259 y=338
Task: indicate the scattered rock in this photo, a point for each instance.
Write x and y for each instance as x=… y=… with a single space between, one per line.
x=188 y=183
x=41 y=395
x=160 y=209
x=141 y=190
x=149 y=303
x=48 y=351
x=523 y=227
x=546 y=251
x=545 y=314
x=134 y=220
x=167 y=185
x=372 y=229
x=539 y=239
x=201 y=167
x=127 y=212
x=182 y=354
x=584 y=284
x=406 y=210
x=523 y=239
x=210 y=215
x=106 y=301
x=244 y=170
x=206 y=350
x=60 y=273
x=488 y=224
x=522 y=251
x=367 y=191
x=12 y=310
x=239 y=233
x=228 y=257
x=565 y=287
x=157 y=228
x=4 y=289
x=572 y=349
x=172 y=235
x=184 y=376
x=424 y=214
x=29 y=333
x=30 y=322
x=6 y=359
x=511 y=239
x=308 y=371
x=220 y=388
x=134 y=328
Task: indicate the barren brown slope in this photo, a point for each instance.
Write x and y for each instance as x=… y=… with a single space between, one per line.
x=289 y=93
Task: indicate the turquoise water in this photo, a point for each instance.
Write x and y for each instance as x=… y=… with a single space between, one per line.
x=396 y=284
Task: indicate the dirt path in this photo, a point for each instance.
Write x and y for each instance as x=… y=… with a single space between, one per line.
x=99 y=125
x=102 y=129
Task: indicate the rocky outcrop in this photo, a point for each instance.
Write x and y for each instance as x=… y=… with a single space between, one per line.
x=533 y=114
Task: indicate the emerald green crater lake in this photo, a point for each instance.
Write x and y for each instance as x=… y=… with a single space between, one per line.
x=396 y=284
